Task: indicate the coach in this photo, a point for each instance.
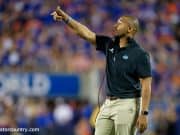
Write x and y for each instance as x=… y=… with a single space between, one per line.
x=128 y=73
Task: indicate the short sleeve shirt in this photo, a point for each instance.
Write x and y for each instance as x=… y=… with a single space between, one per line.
x=124 y=66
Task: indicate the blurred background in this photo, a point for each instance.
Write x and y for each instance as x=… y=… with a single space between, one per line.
x=49 y=77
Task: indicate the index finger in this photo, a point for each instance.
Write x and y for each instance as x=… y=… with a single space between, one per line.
x=58 y=10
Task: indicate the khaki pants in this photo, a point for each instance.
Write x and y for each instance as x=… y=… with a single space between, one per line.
x=118 y=117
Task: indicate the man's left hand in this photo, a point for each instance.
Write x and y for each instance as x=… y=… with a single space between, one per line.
x=141 y=123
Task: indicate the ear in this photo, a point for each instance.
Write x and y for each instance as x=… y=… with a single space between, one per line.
x=130 y=29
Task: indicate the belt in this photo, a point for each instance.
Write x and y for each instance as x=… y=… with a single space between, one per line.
x=112 y=97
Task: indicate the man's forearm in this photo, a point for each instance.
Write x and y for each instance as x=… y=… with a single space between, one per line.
x=146 y=94
x=81 y=30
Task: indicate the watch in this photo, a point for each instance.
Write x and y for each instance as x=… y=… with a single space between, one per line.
x=144 y=112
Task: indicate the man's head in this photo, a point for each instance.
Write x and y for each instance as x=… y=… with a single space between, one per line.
x=126 y=26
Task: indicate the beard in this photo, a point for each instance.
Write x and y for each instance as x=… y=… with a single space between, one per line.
x=117 y=38
x=119 y=35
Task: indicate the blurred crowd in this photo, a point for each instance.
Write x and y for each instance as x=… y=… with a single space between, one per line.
x=31 y=41
x=50 y=116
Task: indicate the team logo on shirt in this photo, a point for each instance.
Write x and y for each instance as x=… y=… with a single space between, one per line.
x=111 y=50
x=125 y=57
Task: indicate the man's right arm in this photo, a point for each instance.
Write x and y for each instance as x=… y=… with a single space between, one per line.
x=82 y=31
x=77 y=27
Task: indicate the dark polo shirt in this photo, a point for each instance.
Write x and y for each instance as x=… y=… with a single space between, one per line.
x=124 y=66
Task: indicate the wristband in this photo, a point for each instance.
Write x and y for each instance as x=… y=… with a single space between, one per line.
x=67 y=20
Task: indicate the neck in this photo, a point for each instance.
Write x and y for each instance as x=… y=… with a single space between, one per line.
x=123 y=42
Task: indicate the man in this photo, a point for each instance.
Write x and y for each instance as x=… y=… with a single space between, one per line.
x=128 y=74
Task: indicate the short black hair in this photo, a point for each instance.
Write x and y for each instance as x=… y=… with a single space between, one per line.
x=133 y=21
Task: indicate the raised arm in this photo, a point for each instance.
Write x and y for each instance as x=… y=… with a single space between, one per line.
x=78 y=28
